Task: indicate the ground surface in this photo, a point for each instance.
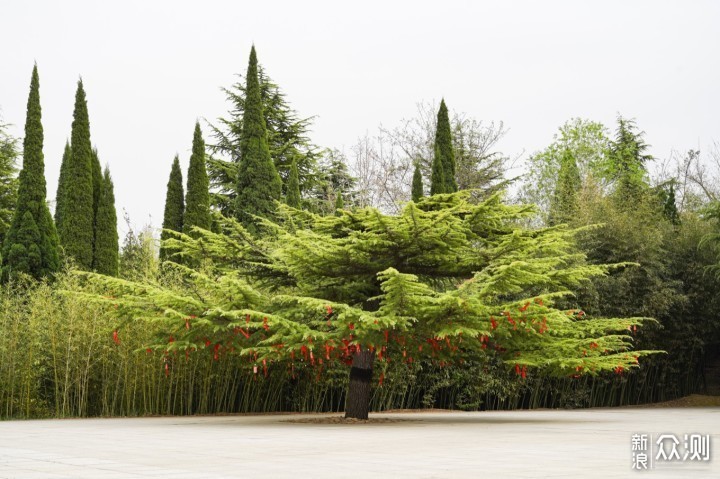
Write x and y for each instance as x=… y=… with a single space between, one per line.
x=527 y=444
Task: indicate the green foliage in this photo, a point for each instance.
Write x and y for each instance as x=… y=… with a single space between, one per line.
x=138 y=255
x=444 y=152
x=587 y=142
x=197 y=199
x=669 y=205
x=417 y=185
x=106 y=254
x=62 y=183
x=626 y=162
x=258 y=183
x=24 y=255
x=292 y=197
x=75 y=228
x=334 y=177
x=8 y=180
x=31 y=243
x=174 y=206
x=642 y=226
x=564 y=205
x=287 y=139
x=667 y=283
x=711 y=239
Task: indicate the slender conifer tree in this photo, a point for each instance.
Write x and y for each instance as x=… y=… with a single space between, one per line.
x=76 y=227
x=62 y=183
x=564 y=204
x=31 y=243
x=174 y=206
x=259 y=184
x=197 y=199
x=106 y=255
x=417 y=186
x=444 y=148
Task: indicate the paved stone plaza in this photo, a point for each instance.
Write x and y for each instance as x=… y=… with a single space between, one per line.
x=523 y=444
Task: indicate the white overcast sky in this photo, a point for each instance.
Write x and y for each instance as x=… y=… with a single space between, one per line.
x=151 y=68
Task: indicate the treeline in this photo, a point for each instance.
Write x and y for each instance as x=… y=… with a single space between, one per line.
x=61 y=356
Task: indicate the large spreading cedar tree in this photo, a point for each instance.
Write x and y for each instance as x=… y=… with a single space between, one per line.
x=447 y=281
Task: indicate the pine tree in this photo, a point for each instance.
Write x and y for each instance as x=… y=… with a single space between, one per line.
x=417 y=186
x=76 y=227
x=287 y=139
x=259 y=184
x=564 y=205
x=174 y=206
x=62 y=183
x=31 y=244
x=197 y=199
x=106 y=234
x=626 y=162
x=444 y=151
x=292 y=197
x=362 y=288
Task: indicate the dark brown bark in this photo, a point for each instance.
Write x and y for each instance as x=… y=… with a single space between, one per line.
x=357 y=405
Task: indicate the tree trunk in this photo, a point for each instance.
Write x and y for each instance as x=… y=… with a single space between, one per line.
x=357 y=405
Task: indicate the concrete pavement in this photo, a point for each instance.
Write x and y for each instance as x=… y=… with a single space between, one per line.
x=523 y=444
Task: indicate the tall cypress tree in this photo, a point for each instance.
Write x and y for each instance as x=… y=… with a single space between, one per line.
x=31 y=244
x=197 y=199
x=62 y=184
x=258 y=181
x=98 y=186
x=106 y=254
x=76 y=227
x=564 y=204
x=437 y=176
x=97 y=174
x=417 y=186
x=444 y=148
x=174 y=206
x=292 y=198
